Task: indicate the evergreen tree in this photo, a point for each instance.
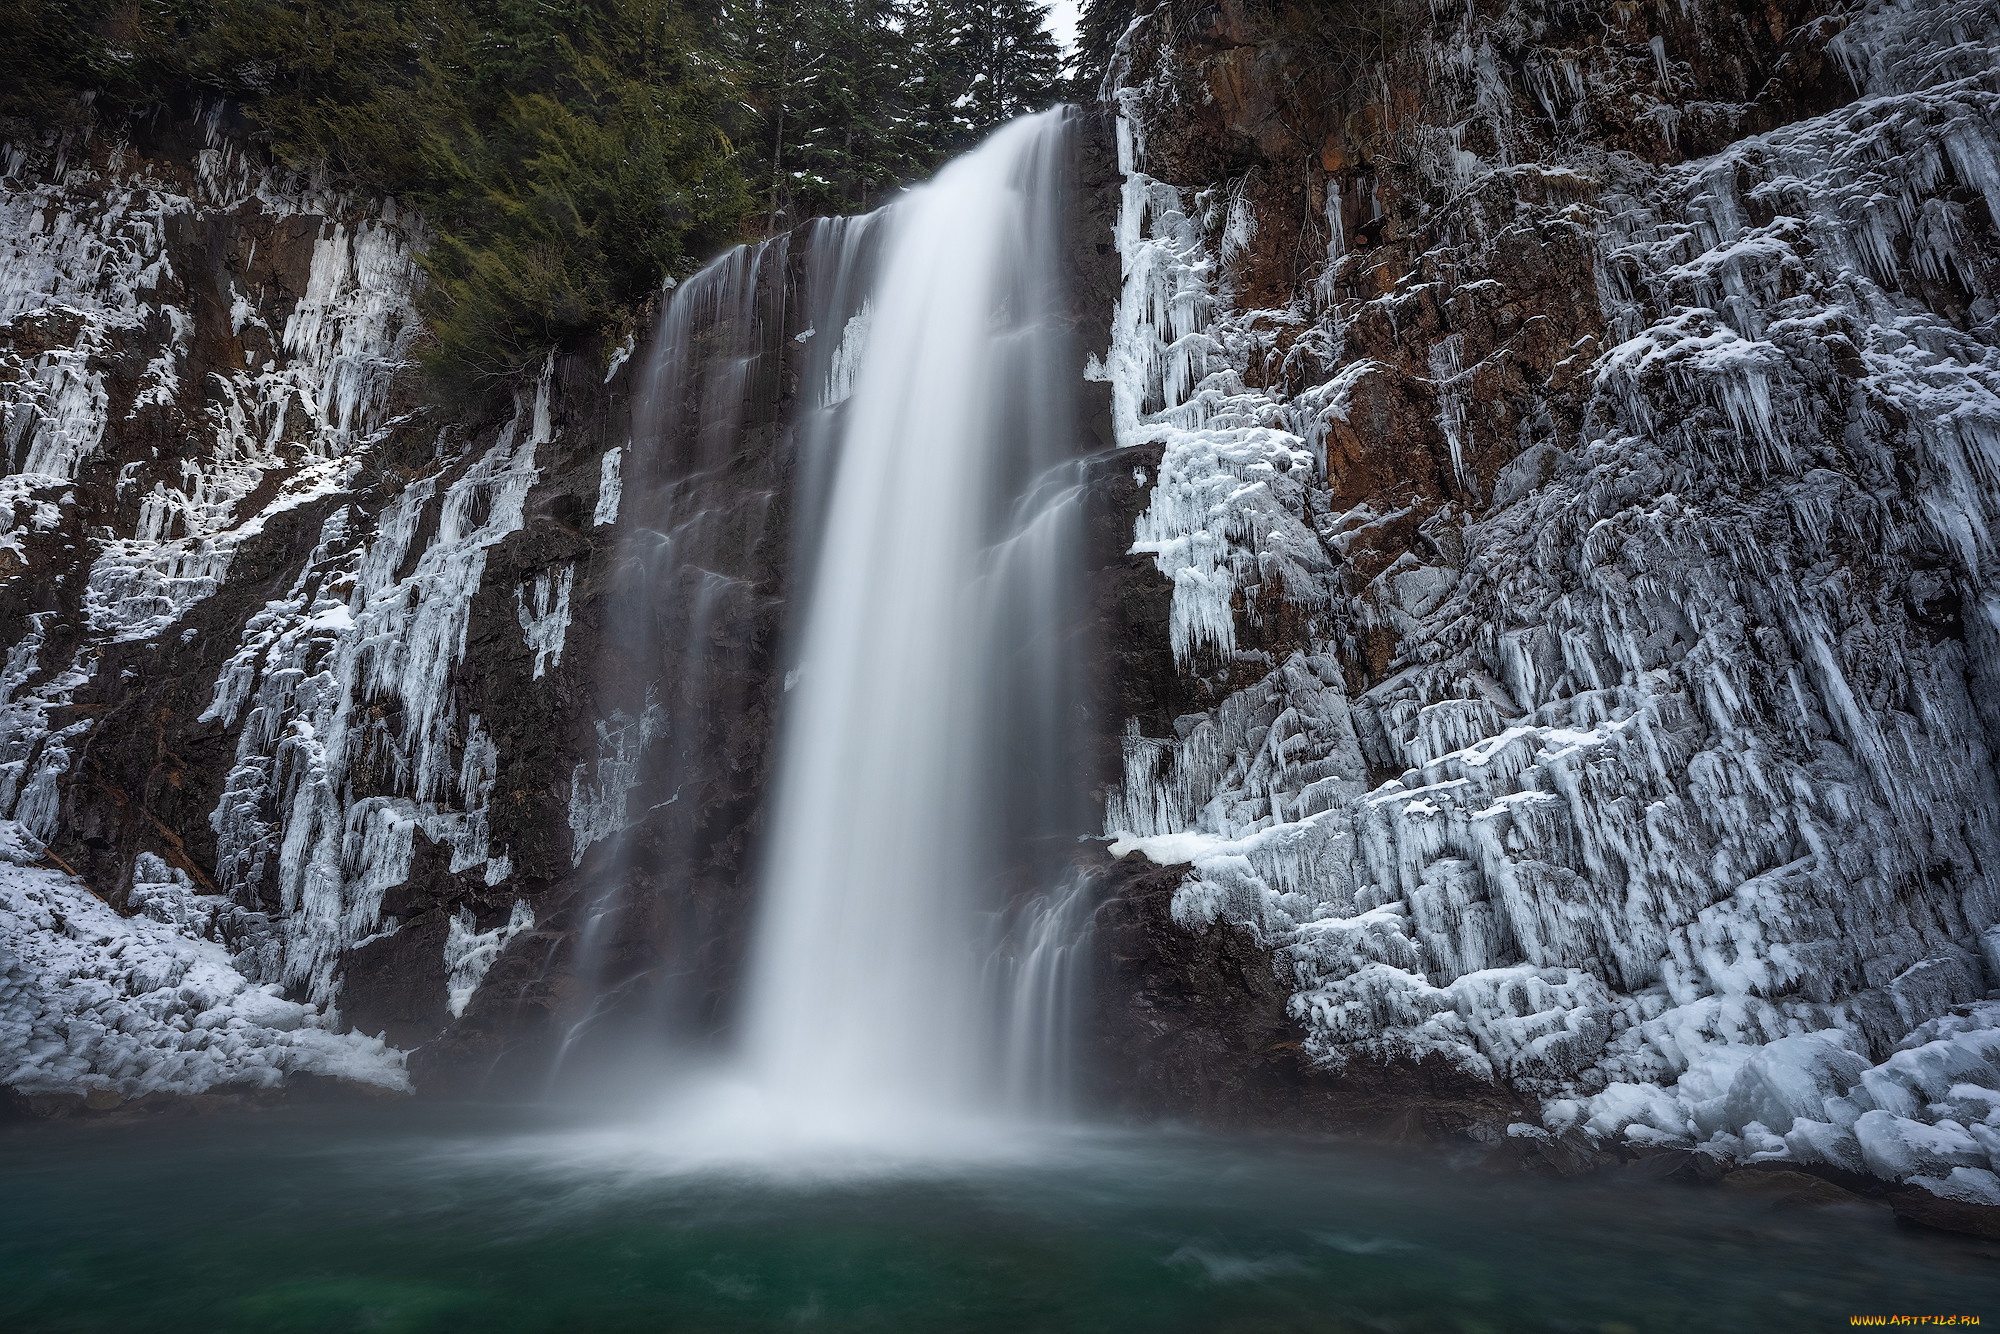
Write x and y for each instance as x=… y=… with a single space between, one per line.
x=939 y=73
x=846 y=100
x=1098 y=28
x=1014 y=62
x=567 y=154
x=825 y=86
x=977 y=64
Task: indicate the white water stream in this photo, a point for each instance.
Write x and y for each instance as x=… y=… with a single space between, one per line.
x=927 y=742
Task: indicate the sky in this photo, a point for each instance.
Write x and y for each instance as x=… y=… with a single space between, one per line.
x=1062 y=22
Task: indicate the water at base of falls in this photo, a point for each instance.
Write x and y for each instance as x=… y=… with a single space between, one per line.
x=454 y=1218
x=928 y=748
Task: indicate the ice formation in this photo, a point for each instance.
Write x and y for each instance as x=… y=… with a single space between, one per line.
x=543 y=609
x=328 y=792
x=85 y=276
x=610 y=488
x=470 y=954
x=598 y=790
x=86 y=259
x=113 y=1007
x=354 y=629
x=1691 y=835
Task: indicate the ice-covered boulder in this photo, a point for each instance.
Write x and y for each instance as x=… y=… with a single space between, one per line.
x=1789 y=1079
x=98 y=1004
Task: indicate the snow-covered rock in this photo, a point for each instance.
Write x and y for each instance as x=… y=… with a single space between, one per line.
x=199 y=353
x=94 y=1002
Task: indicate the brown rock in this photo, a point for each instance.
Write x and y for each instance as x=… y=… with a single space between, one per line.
x=1920 y=1208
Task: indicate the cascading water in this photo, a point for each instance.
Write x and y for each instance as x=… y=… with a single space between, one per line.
x=686 y=552
x=704 y=526
x=893 y=394
x=930 y=758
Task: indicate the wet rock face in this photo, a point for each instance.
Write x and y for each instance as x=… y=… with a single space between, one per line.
x=641 y=939
x=1571 y=483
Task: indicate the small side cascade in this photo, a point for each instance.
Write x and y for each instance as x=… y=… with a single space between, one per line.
x=663 y=677
x=721 y=430
x=1041 y=975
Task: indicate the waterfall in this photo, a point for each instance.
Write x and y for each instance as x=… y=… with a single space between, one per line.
x=1038 y=976
x=686 y=553
x=873 y=420
x=930 y=758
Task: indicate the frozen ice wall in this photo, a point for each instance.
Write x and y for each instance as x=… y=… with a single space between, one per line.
x=371 y=618
x=198 y=354
x=117 y=1007
x=1666 y=793
x=103 y=353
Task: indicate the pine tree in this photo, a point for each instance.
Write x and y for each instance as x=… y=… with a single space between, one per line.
x=829 y=88
x=1015 y=64
x=977 y=64
x=1098 y=28
x=566 y=154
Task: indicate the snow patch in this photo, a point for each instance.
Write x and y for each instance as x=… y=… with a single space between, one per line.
x=96 y=1003
x=470 y=954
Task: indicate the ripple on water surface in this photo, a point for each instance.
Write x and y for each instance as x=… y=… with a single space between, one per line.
x=450 y=1219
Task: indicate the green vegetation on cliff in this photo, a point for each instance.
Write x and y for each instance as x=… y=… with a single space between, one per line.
x=567 y=154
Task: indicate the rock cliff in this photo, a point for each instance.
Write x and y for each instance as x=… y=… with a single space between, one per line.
x=298 y=662
x=1576 y=442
